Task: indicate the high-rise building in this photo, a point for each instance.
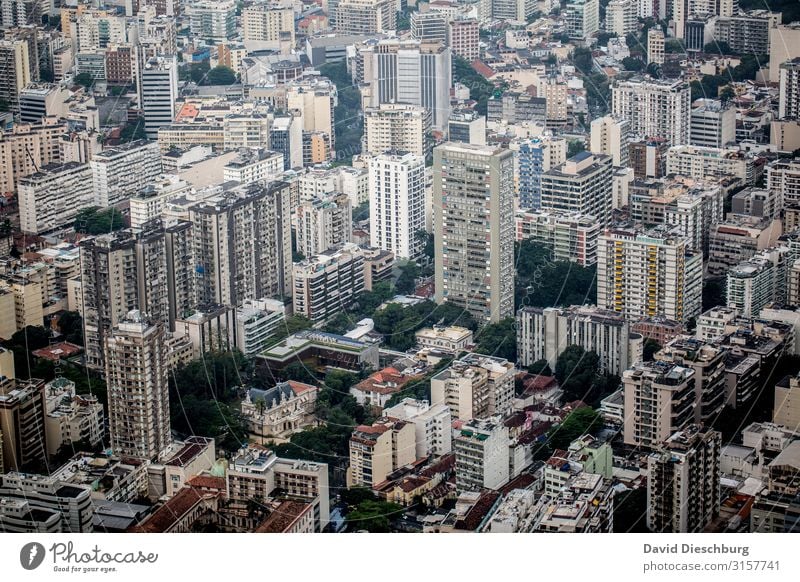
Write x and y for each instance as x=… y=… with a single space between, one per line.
x=683 y=484
x=212 y=20
x=328 y=283
x=51 y=198
x=644 y=274
x=706 y=162
x=429 y=26
x=784 y=43
x=22 y=424
x=476 y=386
x=120 y=172
x=534 y=157
x=316 y=98
x=286 y=137
x=473 y=201
x=660 y=399
x=158 y=92
x=397 y=208
x=356 y=17
x=246 y=130
x=609 y=136
x=569 y=236
x=323 y=223
x=481 y=450
x=582 y=18
x=747 y=32
x=267 y=25
x=463 y=38
x=409 y=72
x=581 y=184
x=786 y=410
x=655 y=46
x=713 y=124
x=783 y=175
x=378 y=449
x=708 y=362
x=15 y=71
x=44 y=499
x=789 y=99
x=543 y=334
x=621 y=17
x=433 y=425
x=151 y=271
x=397 y=127
x=753 y=284
x=242 y=243
x=27 y=148
x=654 y=108
x=138 y=387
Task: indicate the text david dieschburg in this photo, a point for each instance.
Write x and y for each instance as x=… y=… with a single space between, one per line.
x=743 y=551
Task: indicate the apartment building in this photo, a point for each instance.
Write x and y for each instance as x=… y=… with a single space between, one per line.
x=481 y=448
x=378 y=449
x=544 y=333
x=328 y=283
x=214 y=20
x=610 y=136
x=643 y=274
x=257 y=321
x=621 y=17
x=707 y=162
x=398 y=208
x=22 y=423
x=119 y=173
x=148 y=203
x=683 y=487
x=246 y=130
x=655 y=46
x=654 y=108
x=534 y=157
x=789 y=90
x=786 y=409
x=322 y=223
x=582 y=184
x=468 y=126
x=15 y=64
x=397 y=127
x=316 y=98
x=582 y=18
x=137 y=377
x=267 y=25
x=753 y=284
x=242 y=243
x=71 y=419
x=432 y=425
x=469 y=273
x=51 y=198
x=71 y=503
x=364 y=17
x=26 y=148
x=463 y=38
x=713 y=124
x=708 y=362
x=570 y=236
x=660 y=400
x=476 y=386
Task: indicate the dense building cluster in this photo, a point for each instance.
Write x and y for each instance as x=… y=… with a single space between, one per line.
x=365 y=265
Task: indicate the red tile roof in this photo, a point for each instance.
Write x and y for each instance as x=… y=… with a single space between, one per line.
x=283 y=517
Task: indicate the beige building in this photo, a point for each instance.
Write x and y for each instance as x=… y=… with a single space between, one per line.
x=379 y=449
x=476 y=386
x=266 y=26
x=660 y=400
x=22 y=423
x=397 y=127
x=137 y=377
x=786 y=410
x=463 y=38
x=15 y=70
x=655 y=46
x=470 y=273
x=322 y=223
x=51 y=198
x=316 y=98
x=327 y=283
x=26 y=148
x=784 y=45
x=354 y=17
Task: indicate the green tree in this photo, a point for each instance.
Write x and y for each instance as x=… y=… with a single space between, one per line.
x=718 y=48
x=406 y=282
x=70 y=323
x=582 y=421
x=498 y=339
x=649 y=349
x=582 y=58
x=575 y=147
x=373 y=516
x=633 y=64
x=576 y=370
x=220 y=75
x=94 y=220
x=84 y=79
x=542 y=282
x=540 y=368
x=348 y=118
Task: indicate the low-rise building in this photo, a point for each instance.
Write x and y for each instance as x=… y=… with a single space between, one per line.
x=452 y=339
x=277 y=413
x=72 y=419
